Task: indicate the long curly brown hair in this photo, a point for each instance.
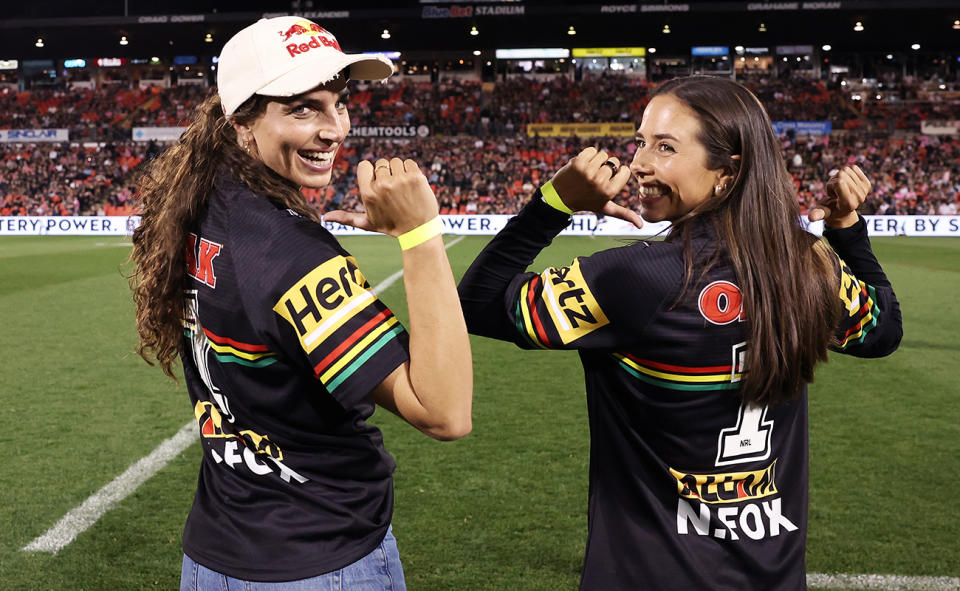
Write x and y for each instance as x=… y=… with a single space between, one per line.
x=173 y=194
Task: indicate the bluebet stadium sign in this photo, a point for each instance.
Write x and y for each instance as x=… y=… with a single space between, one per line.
x=480 y=225
x=34 y=135
x=803 y=127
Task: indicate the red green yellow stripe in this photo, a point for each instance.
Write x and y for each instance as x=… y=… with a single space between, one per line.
x=350 y=341
x=678 y=377
x=236 y=344
x=531 y=325
x=228 y=350
x=370 y=352
x=357 y=348
x=869 y=314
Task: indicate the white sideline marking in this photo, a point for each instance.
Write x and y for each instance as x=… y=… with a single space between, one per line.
x=883 y=582
x=80 y=518
x=386 y=283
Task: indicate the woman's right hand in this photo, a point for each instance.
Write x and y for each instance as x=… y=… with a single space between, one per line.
x=589 y=183
x=396 y=196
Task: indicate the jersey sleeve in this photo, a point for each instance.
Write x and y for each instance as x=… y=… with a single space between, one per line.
x=580 y=306
x=314 y=304
x=871 y=323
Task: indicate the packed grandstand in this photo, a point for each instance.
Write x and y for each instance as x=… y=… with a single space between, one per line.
x=479 y=142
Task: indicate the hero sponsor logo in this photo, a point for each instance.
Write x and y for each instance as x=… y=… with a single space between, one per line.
x=755 y=516
x=200 y=259
x=245 y=448
x=574 y=310
x=324 y=299
x=318 y=37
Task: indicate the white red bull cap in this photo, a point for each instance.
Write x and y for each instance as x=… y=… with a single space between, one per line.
x=286 y=56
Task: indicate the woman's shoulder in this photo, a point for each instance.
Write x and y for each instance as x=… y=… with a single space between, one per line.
x=254 y=217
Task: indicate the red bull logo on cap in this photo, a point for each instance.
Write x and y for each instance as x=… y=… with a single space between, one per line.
x=318 y=37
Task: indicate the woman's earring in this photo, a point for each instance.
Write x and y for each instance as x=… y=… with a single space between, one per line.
x=717 y=190
x=246 y=146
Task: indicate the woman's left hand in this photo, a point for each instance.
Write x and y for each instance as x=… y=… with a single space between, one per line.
x=396 y=196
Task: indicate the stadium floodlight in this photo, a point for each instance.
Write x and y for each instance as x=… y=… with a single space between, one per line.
x=915 y=46
x=858 y=27
x=123 y=40
x=208 y=38
x=473 y=31
x=39 y=42
x=571 y=31
x=956 y=25
x=476 y=52
x=762 y=28
x=385 y=34
x=651 y=50
x=666 y=30
x=827 y=47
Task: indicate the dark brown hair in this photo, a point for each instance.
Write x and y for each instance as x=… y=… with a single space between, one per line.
x=787 y=276
x=173 y=194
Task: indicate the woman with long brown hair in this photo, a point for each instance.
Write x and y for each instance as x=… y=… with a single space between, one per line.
x=697 y=349
x=285 y=347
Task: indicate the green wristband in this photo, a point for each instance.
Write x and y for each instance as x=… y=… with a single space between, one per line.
x=421 y=234
x=552 y=198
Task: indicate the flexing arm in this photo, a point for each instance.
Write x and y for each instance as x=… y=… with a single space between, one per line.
x=434 y=390
x=872 y=325
x=583 y=184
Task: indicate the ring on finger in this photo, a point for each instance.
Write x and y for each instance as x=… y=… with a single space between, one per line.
x=379 y=166
x=613 y=167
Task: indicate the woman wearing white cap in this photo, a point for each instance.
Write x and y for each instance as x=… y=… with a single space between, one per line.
x=285 y=347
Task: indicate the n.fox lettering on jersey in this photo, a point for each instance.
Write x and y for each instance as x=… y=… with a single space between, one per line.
x=200 y=259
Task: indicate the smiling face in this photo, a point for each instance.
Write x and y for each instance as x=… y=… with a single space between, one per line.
x=299 y=137
x=670 y=162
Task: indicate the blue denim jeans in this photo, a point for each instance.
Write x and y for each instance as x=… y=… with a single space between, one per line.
x=378 y=571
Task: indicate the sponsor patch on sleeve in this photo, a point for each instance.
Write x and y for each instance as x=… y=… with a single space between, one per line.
x=849 y=289
x=574 y=310
x=324 y=299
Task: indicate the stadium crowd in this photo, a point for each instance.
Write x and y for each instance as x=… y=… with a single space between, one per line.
x=478 y=155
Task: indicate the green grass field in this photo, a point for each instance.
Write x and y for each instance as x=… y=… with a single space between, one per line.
x=504 y=508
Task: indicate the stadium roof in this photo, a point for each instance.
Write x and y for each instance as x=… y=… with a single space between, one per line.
x=168 y=27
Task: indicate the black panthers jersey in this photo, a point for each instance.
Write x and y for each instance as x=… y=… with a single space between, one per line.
x=283 y=342
x=690 y=488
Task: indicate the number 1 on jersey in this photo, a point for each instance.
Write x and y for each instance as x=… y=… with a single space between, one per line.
x=749 y=440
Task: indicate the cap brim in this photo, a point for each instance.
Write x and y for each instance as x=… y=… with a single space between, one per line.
x=322 y=69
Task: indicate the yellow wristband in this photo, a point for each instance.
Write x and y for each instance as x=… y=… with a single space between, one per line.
x=420 y=234
x=552 y=198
